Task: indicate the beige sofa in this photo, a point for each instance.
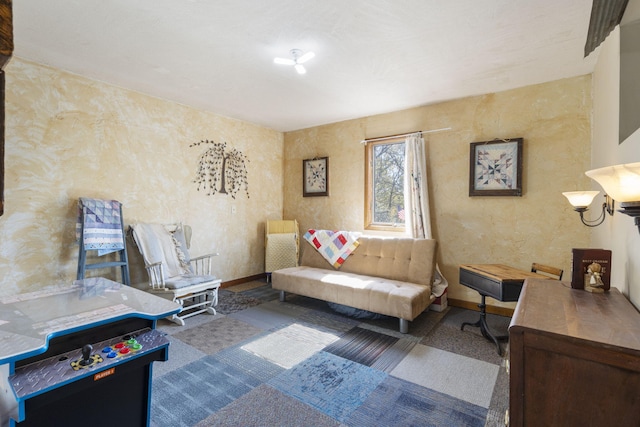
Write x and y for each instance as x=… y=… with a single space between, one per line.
x=390 y=276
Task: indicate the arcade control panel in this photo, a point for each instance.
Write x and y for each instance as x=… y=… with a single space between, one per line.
x=98 y=360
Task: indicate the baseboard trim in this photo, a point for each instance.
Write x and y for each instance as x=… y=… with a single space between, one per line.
x=243 y=280
x=492 y=309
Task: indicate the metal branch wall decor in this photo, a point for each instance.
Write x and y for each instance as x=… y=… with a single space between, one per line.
x=221 y=171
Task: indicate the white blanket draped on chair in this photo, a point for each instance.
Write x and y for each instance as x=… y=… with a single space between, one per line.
x=158 y=245
x=173 y=273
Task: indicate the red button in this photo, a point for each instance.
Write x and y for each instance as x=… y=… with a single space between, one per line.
x=119 y=345
x=124 y=351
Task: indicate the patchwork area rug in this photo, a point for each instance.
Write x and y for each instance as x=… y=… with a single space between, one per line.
x=330 y=384
x=401 y=403
x=297 y=363
x=266 y=406
x=362 y=345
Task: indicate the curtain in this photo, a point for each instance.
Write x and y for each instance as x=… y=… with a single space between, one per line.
x=416 y=199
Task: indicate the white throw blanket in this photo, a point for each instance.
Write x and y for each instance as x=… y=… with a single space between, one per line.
x=157 y=245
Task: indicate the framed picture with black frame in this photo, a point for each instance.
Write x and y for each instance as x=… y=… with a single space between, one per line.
x=495 y=168
x=315 y=177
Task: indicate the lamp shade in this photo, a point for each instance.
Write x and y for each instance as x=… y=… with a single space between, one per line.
x=580 y=199
x=620 y=182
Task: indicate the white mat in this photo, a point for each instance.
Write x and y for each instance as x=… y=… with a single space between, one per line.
x=291 y=345
x=459 y=376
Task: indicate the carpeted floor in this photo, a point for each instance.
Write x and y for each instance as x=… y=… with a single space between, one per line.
x=260 y=362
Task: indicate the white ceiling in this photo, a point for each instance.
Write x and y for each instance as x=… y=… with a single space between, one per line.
x=372 y=56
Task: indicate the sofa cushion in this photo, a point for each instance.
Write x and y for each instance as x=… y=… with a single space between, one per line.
x=178 y=282
x=403 y=259
x=385 y=296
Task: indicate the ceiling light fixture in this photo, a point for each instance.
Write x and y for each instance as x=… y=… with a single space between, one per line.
x=298 y=59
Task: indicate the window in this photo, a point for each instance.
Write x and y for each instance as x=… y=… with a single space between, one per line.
x=384 y=199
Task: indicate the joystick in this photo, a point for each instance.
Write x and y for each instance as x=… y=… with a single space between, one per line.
x=86 y=355
x=87 y=360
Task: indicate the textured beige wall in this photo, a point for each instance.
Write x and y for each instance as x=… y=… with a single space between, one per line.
x=553 y=118
x=67 y=137
x=617 y=233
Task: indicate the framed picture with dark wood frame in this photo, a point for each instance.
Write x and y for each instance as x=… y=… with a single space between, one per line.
x=495 y=168
x=315 y=177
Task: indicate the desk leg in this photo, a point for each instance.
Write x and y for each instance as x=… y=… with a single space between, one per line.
x=484 y=327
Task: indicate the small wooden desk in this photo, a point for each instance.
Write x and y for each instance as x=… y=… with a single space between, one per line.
x=497 y=281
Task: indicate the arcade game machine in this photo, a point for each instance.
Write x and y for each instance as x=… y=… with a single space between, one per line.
x=80 y=355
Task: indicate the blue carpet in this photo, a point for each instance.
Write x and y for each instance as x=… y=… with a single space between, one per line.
x=342 y=372
x=400 y=403
x=266 y=316
x=331 y=384
x=189 y=394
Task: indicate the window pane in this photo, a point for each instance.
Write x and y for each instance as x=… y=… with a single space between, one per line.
x=388 y=183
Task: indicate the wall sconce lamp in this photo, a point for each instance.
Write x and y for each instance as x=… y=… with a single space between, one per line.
x=622 y=183
x=580 y=200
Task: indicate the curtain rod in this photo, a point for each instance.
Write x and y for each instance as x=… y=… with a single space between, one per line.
x=382 y=138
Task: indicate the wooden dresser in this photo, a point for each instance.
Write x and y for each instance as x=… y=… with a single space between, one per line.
x=574 y=358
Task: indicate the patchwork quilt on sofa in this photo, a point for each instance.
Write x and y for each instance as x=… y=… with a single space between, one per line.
x=334 y=246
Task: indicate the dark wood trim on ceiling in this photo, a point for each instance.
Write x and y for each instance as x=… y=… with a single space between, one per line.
x=605 y=16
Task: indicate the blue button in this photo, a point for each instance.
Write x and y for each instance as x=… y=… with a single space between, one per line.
x=112 y=355
x=106 y=350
